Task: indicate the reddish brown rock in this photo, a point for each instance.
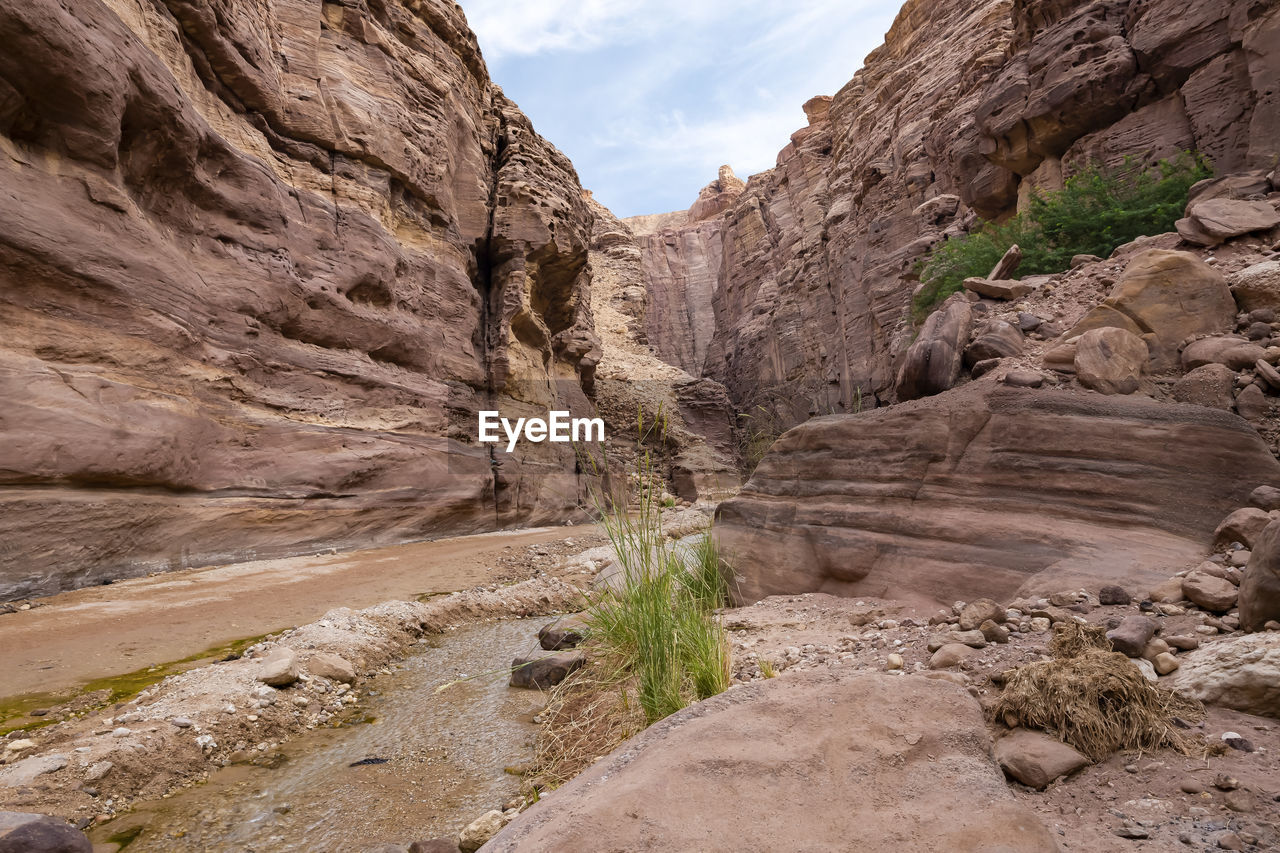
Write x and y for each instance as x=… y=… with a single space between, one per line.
x=819 y=254
x=1260 y=589
x=995 y=339
x=997 y=288
x=932 y=364
x=1110 y=361
x=1209 y=592
x=1035 y=758
x=1209 y=385
x=1235 y=353
x=666 y=788
x=1164 y=297
x=1210 y=222
x=268 y=262
x=1257 y=287
x=1243 y=525
x=986 y=489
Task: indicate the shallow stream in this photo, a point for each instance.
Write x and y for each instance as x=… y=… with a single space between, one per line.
x=433 y=762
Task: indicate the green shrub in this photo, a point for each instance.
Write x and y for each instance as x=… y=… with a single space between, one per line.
x=657 y=623
x=1097 y=210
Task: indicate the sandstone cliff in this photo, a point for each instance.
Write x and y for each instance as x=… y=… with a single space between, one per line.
x=964 y=108
x=260 y=264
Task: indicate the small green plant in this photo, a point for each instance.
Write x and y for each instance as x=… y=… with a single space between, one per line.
x=657 y=621
x=1097 y=209
x=767 y=669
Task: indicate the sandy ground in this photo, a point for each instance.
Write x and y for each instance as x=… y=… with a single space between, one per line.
x=102 y=631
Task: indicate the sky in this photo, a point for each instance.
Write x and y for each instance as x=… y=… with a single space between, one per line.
x=650 y=97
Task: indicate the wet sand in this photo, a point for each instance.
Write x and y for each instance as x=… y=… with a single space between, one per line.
x=102 y=631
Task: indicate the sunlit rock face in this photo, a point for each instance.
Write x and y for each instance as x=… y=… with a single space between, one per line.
x=260 y=266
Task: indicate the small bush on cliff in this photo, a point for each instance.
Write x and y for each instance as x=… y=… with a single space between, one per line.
x=1096 y=210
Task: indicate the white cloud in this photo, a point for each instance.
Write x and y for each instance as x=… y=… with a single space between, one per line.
x=649 y=97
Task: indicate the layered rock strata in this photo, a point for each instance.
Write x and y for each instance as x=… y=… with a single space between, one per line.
x=261 y=265
x=962 y=111
x=988 y=491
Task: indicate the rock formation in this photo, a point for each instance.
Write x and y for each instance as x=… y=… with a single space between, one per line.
x=985 y=491
x=262 y=264
x=963 y=110
x=821 y=758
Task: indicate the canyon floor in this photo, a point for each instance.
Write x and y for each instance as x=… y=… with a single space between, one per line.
x=65 y=640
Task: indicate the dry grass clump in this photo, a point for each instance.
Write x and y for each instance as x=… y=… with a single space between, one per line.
x=1096 y=699
x=587 y=716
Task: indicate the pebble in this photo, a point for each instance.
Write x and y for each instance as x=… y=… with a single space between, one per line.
x=895 y=662
x=121 y=732
x=182 y=722
x=1230 y=841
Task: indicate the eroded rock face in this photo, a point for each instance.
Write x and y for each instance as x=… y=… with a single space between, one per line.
x=261 y=266
x=962 y=112
x=666 y=788
x=987 y=489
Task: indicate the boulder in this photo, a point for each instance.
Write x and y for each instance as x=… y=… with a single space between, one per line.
x=1243 y=526
x=1023 y=378
x=995 y=339
x=21 y=832
x=564 y=633
x=1081 y=260
x=1006 y=290
x=1257 y=287
x=332 y=667
x=280 y=667
x=1035 y=759
x=1112 y=594
x=1213 y=221
x=1260 y=589
x=1164 y=297
x=932 y=364
x=669 y=787
x=1209 y=385
x=543 y=671
x=1214 y=594
x=1265 y=498
x=973 y=614
x=1133 y=633
x=1251 y=403
x=951 y=654
x=1242 y=673
x=1235 y=353
x=1110 y=360
x=986 y=489
x=1167 y=592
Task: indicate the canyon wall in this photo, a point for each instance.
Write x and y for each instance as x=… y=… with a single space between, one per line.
x=963 y=109
x=260 y=265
